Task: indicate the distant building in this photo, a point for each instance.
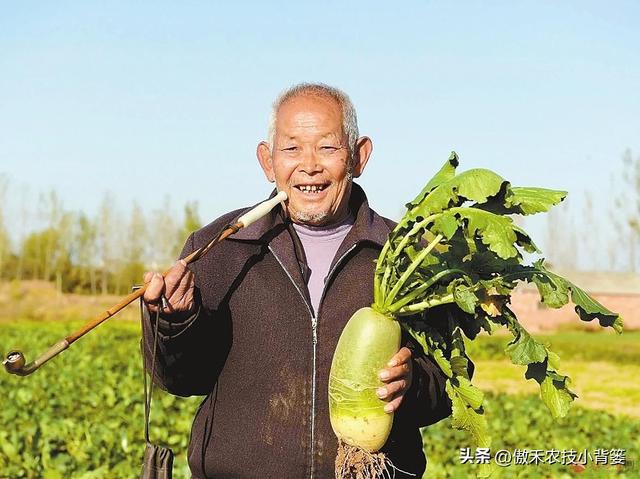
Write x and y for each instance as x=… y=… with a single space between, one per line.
x=619 y=292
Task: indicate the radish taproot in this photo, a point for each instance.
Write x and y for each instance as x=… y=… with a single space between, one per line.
x=447 y=272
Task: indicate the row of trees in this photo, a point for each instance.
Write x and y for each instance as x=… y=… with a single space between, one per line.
x=106 y=253
x=603 y=230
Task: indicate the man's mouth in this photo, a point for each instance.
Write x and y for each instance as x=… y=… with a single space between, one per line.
x=312 y=188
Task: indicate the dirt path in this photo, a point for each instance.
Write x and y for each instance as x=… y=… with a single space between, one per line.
x=39 y=301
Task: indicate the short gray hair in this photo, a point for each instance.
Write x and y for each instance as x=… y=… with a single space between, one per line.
x=349 y=117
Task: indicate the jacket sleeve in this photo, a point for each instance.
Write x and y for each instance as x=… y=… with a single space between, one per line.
x=426 y=401
x=191 y=347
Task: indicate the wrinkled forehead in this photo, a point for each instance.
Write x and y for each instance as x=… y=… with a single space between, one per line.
x=310 y=110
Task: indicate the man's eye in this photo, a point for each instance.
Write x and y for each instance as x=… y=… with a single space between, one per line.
x=328 y=148
x=290 y=148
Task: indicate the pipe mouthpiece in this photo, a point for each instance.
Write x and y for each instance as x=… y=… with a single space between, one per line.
x=15 y=362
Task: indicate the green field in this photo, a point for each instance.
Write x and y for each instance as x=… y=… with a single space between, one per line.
x=81 y=416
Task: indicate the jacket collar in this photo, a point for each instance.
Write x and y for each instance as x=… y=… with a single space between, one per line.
x=275 y=231
x=368 y=225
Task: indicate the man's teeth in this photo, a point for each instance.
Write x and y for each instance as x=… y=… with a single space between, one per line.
x=311 y=188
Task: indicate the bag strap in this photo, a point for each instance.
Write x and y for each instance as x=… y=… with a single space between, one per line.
x=149 y=393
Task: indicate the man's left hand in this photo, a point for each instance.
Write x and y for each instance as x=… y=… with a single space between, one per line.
x=397 y=377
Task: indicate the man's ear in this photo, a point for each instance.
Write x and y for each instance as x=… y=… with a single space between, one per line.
x=364 y=147
x=263 y=152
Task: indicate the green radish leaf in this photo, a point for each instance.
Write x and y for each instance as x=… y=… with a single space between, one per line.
x=556 y=395
x=529 y=201
x=471 y=394
x=446 y=225
x=442 y=362
x=476 y=185
x=553 y=359
x=541 y=365
x=466 y=299
x=495 y=231
x=412 y=252
x=554 y=390
x=459 y=366
x=553 y=293
x=445 y=173
x=554 y=290
x=467 y=418
x=589 y=309
x=432 y=350
x=524 y=349
x=485 y=262
x=440 y=198
x=524 y=240
x=523 y=201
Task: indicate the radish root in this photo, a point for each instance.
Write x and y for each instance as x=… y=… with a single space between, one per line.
x=355 y=463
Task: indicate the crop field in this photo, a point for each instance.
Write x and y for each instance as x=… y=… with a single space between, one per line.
x=81 y=416
x=606 y=415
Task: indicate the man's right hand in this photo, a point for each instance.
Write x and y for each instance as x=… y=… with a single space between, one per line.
x=177 y=287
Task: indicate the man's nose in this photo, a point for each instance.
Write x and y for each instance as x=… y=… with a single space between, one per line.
x=310 y=161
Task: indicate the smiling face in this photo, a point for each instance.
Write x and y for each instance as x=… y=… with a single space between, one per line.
x=310 y=159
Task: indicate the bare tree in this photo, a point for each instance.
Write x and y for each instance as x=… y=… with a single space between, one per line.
x=105 y=235
x=63 y=246
x=86 y=239
x=25 y=215
x=632 y=180
x=561 y=241
x=5 y=246
x=625 y=215
x=163 y=237
x=133 y=246
x=590 y=238
x=191 y=221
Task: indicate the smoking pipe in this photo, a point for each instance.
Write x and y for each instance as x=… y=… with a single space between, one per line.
x=15 y=362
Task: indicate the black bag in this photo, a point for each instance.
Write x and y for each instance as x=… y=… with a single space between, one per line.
x=158 y=460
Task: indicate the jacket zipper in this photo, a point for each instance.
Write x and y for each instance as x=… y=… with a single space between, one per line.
x=314 y=324
x=314 y=330
x=314 y=327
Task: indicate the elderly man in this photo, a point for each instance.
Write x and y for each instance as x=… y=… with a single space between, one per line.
x=254 y=324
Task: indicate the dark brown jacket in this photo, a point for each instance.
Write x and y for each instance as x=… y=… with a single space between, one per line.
x=254 y=352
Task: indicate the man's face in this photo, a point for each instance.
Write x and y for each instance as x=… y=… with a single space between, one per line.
x=310 y=160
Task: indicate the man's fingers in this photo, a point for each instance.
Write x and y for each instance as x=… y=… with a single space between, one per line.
x=393 y=374
x=399 y=367
x=177 y=286
x=182 y=297
x=186 y=283
x=174 y=276
x=155 y=287
x=147 y=276
x=398 y=376
x=392 y=389
x=392 y=406
x=393 y=393
x=400 y=357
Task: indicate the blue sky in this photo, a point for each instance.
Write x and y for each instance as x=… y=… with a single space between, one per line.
x=148 y=98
